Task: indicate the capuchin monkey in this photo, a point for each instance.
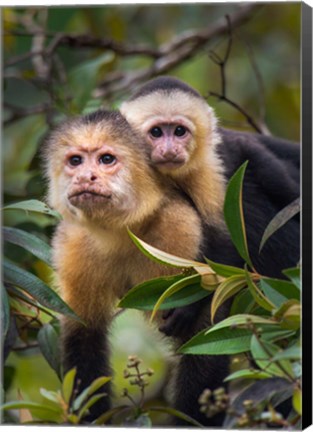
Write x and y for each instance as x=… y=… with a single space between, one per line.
x=186 y=146
x=102 y=185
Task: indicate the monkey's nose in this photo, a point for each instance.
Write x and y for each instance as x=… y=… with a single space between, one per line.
x=169 y=153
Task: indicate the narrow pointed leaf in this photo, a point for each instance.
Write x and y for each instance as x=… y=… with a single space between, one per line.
x=94 y=386
x=225 y=290
x=176 y=413
x=225 y=270
x=291 y=353
x=68 y=385
x=297 y=401
x=177 y=286
x=294 y=275
x=48 y=340
x=29 y=242
x=278 y=291
x=104 y=418
x=33 y=206
x=145 y=295
x=223 y=341
x=240 y=320
x=263 y=352
x=242 y=303
x=5 y=311
x=247 y=374
x=280 y=220
x=30 y=406
x=84 y=410
x=18 y=293
x=233 y=212
x=51 y=396
x=13 y=274
x=163 y=257
x=257 y=294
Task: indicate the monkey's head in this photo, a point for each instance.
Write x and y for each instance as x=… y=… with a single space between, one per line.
x=96 y=173
x=175 y=121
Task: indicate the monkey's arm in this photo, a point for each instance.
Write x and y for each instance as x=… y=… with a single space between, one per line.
x=87 y=284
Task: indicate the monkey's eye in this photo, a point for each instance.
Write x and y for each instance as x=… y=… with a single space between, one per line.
x=75 y=160
x=156 y=132
x=107 y=159
x=180 y=131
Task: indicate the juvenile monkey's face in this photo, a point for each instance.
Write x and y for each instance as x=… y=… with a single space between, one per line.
x=173 y=124
x=170 y=139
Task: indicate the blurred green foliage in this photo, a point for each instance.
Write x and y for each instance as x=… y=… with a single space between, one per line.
x=32 y=104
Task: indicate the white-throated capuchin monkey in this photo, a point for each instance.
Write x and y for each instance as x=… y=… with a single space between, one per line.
x=186 y=146
x=102 y=185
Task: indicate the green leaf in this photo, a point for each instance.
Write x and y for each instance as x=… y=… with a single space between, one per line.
x=36 y=288
x=233 y=213
x=279 y=220
x=242 y=303
x=145 y=295
x=5 y=311
x=275 y=333
x=297 y=400
x=228 y=338
x=48 y=340
x=294 y=275
x=263 y=351
x=225 y=290
x=218 y=342
x=290 y=314
x=68 y=385
x=32 y=406
x=242 y=320
x=94 y=386
x=104 y=418
x=33 y=206
x=176 y=287
x=52 y=396
x=257 y=294
x=18 y=293
x=248 y=374
x=225 y=270
x=291 y=353
x=176 y=413
x=163 y=257
x=82 y=79
x=29 y=242
x=278 y=291
x=91 y=401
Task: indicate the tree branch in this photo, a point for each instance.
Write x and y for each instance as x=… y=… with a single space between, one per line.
x=185 y=46
x=259 y=126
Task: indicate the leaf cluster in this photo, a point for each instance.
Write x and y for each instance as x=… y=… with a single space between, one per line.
x=264 y=323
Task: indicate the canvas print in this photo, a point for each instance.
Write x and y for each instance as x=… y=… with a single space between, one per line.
x=151 y=215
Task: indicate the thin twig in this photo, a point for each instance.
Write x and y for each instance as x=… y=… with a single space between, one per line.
x=222 y=63
x=178 y=50
x=260 y=84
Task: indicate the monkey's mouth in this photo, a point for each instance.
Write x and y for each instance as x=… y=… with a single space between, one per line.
x=169 y=164
x=85 y=196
